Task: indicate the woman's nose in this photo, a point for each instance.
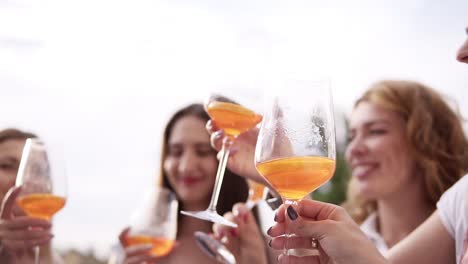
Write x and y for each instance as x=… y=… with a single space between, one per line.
x=356 y=147
x=187 y=163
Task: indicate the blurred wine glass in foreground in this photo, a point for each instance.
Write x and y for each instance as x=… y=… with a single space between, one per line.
x=233 y=119
x=155 y=222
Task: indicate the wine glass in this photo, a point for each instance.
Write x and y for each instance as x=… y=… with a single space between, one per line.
x=295 y=149
x=42 y=178
x=155 y=222
x=214 y=248
x=234 y=119
x=257 y=193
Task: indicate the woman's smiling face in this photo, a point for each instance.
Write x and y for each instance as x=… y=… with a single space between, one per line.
x=378 y=151
x=191 y=163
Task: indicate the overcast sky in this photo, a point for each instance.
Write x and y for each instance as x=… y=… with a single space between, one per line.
x=103 y=76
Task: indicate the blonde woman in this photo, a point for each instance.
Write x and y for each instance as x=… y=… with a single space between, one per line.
x=406 y=148
x=443 y=238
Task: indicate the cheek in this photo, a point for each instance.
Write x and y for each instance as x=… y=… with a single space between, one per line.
x=348 y=154
x=389 y=154
x=396 y=155
x=380 y=146
x=8 y=176
x=397 y=170
x=170 y=167
x=7 y=180
x=210 y=166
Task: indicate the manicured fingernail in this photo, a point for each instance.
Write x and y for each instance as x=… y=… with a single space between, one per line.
x=269 y=230
x=274 y=219
x=292 y=214
x=269 y=243
x=218 y=134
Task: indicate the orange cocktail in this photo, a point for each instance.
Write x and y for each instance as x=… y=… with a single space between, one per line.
x=256 y=191
x=234 y=119
x=294 y=177
x=161 y=246
x=41 y=205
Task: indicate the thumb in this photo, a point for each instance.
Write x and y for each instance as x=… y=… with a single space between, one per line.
x=9 y=202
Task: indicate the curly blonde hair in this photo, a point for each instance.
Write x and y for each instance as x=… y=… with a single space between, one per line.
x=435 y=134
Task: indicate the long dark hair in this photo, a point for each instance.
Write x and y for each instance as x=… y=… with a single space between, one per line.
x=13 y=133
x=234 y=188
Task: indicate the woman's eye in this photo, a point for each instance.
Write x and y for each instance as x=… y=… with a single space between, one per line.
x=377 y=131
x=205 y=152
x=7 y=166
x=174 y=152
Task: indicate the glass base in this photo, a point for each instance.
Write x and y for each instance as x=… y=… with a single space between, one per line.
x=214 y=248
x=210 y=216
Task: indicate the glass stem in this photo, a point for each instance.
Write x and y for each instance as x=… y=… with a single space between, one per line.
x=36 y=254
x=287 y=234
x=266 y=191
x=226 y=148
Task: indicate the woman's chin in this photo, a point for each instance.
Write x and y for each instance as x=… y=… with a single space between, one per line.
x=368 y=193
x=192 y=198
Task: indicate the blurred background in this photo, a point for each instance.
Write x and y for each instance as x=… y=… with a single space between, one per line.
x=102 y=77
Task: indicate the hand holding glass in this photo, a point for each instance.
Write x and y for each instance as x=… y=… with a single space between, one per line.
x=41 y=176
x=295 y=149
x=155 y=223
x=233 y=119
x=214 y=248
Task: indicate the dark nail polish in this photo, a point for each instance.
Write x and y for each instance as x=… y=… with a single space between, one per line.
x=268 y=231
x=292 y=213
x=269 y=243
x=274 y=219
